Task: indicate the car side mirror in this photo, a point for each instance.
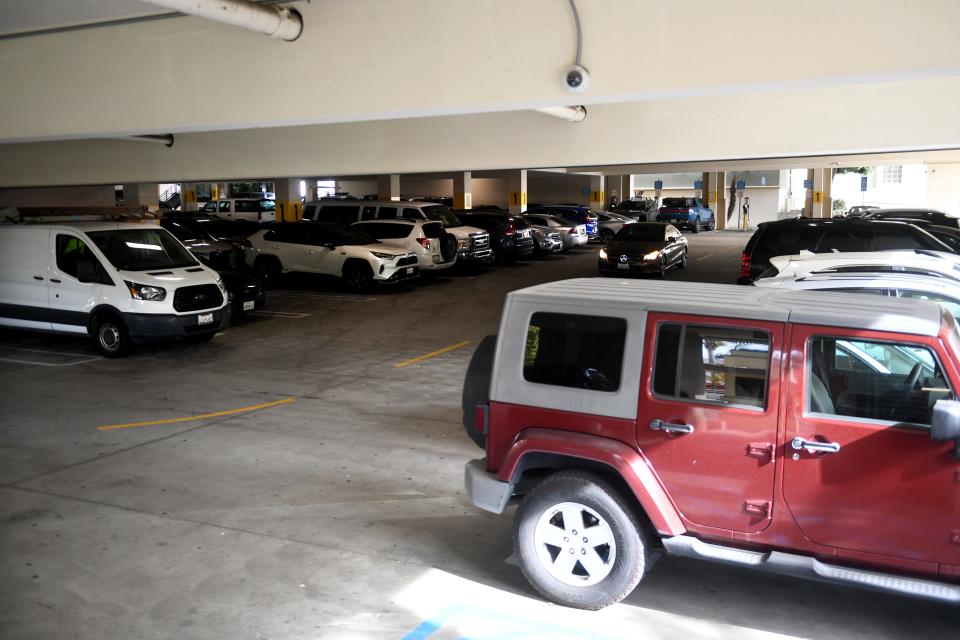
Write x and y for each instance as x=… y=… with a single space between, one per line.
x=671 y=240
x=86 y=270
x=946 y=423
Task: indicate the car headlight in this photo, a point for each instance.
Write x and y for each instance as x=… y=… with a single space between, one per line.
x=653 y=255
x=145 y=291
x=463 y=243
x=603 y=254
x=383 y=256
x=220 y=285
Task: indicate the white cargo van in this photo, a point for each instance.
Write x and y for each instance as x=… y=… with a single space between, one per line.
x=119 y=282
x=253 y=209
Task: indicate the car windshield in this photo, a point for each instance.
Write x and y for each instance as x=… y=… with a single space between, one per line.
x=442 y=214
x=351 y=235
x=640 y=232
x=142 y=249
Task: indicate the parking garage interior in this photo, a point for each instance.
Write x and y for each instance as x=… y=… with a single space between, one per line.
x=301 y=475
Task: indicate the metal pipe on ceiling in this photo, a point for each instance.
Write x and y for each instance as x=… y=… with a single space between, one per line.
x=274 y=21
x=570 y=114
x=165 y=139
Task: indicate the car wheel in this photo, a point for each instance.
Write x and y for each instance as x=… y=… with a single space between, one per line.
x=358 y=277
x=713 y=225
x=683 y=260
x=578 y=542
x=696 y=225
x=111 y=336
x=268 y=268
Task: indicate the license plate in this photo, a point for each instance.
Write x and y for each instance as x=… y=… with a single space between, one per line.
x=624 y=267
x=408 y=271
x=205 y=318
x=248 y=305
x=436 y=258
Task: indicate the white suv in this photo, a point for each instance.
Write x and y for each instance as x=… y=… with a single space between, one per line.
x=329 y=249
x=435 y=248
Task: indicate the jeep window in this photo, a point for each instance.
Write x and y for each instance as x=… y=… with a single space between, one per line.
x=142 y=249
x=872 y=380
x=567 y=350
x=443 y=215
x=712 y=364
x=387 y=213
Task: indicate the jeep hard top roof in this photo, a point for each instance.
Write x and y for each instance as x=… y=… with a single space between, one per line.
x=592 y=296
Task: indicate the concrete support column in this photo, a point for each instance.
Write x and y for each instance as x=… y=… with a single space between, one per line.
x=720 y=179
x=517 y=191
x=311 y=190
x=598 y=195
x=817 y=198
x=827 y=189
x=218 y=191
x=188 y=197
x=808 y=197
x=462 y=190
x=388 y=187
x=141 y=194
x=289 y=205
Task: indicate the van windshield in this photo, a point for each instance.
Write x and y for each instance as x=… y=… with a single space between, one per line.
x=442 y=214
x=142 y=249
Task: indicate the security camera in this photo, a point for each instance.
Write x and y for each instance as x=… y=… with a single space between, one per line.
x=576 y=79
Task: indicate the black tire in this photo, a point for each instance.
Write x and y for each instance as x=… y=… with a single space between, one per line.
x=696 y=225
x=621 y=563
x=476 y=387
x=713 y=225
x=111 y=336
x=662 y=271
x=358 y=277
x=448 y=246
x=683 y=261
x=268 y=268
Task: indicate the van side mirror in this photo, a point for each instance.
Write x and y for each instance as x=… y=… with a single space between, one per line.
x=86 y=270
x=946 y=423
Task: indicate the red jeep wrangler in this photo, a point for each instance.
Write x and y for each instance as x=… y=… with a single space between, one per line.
x=812 y=434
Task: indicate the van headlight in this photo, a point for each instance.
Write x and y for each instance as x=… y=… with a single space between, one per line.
x=220 y=285
x=145 y=291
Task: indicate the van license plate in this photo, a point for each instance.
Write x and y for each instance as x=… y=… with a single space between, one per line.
x=205 y=318
x=248 y=305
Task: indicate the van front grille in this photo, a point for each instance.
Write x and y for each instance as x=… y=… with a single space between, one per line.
x=203 y=296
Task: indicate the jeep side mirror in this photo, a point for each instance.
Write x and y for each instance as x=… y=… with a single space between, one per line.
x=86 y=271
x=946 y=423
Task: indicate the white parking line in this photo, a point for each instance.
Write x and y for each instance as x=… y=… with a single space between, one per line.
x=72 y=357
x=705 y=256
x=279 y=314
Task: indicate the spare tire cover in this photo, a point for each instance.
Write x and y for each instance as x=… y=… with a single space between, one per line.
x=448 y=246
x=476 y=387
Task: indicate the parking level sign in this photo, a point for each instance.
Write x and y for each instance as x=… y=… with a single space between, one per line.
x=741 y=184
x=698 y=184
x=863 y=183
x=808 y=184
x=658 y=184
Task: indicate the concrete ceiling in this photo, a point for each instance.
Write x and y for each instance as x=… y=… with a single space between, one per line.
x=21 y=17
x=430 y=85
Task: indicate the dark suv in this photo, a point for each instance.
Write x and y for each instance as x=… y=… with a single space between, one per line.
x=790 y=237
x=929 y=215
x=510 y=235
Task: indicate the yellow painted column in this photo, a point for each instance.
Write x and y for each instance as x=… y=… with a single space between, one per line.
x=288 y=201
x=188 y=197
x=517 y=191
x=598 y=194
x=817 y=196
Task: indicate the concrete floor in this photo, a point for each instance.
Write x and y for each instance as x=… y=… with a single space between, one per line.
x=337 y=514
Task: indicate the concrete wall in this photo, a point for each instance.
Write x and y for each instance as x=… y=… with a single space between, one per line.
x=96 y=196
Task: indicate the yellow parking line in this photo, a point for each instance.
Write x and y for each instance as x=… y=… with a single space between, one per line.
x=432 y=354
x=201 y=416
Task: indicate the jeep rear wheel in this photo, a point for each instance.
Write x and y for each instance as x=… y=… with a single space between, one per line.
x=578 y=541
x=358 y=277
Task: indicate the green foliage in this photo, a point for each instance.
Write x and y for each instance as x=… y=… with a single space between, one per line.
x=839 y=205
x=864 y=171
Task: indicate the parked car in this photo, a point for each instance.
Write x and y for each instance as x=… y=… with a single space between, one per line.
x=860 y=210
x=572 y=234
x=214 y=226
x=244 y=292
x=251 y=209
x=790 y=237
x=640 y=209
x=434 y=247
x=213 y=252
x=120 y=283
x=510 y=236
x=940 y=265
x=473 y=243
x=610 y=223
x=329 y=249
x=930 y=215
x=719 y=423
x=687 y=213
x=644 y=247
x=573 y=213
x=545 y=240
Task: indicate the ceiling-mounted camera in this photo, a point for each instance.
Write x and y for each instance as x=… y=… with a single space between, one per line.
x=576 y=79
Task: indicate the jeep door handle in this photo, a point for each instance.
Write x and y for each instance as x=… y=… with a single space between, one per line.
x=659 y=425
x=812 y=446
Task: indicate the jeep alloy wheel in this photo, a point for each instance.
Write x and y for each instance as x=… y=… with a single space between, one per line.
x=578 y=542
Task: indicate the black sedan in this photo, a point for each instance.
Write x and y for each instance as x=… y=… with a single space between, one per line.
x=644 y=247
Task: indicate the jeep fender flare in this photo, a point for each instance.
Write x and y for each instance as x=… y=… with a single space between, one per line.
x=626 y=462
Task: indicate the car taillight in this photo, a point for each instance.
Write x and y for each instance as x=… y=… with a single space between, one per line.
x=424 y=242
x=511 y=228
x=480 y=418
x=745 y=265
x=572 y=231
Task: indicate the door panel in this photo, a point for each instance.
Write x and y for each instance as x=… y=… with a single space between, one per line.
x=722 y=378
x=23 y=280
x=70 y=299
x=889 y=489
